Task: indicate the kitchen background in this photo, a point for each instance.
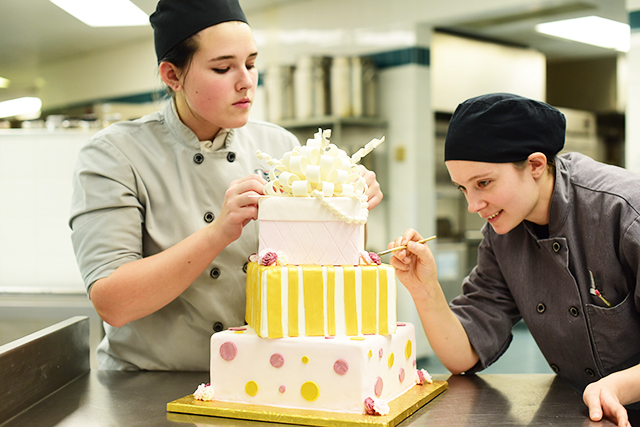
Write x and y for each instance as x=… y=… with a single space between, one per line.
x=364 y=68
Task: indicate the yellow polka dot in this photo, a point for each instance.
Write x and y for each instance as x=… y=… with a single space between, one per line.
x=310 y=391
x=370 y=354
x=305 y=359
x=251 y=388
x=390 y=361
x=357 y=338
x=407 y=349
x=238 y=332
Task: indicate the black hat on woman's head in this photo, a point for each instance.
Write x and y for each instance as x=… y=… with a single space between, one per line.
x=175 y=20
x=503 y=128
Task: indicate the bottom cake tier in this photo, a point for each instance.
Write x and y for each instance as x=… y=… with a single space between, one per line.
x=317 y=373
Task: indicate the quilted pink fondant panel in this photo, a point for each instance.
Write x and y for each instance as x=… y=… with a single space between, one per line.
x=321 y=242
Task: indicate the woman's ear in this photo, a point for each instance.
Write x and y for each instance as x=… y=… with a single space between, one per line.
x=538 y=163
x=170 y=75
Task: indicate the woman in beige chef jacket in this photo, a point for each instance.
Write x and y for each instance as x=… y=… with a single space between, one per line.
x=162 y=206
x=561 y=250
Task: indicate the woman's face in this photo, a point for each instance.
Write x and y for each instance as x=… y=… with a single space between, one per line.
x=499 y=192
x=218 y=88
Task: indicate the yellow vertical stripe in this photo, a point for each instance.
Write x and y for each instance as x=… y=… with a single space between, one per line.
x=383 y=313
x=313 y=300
x=331 y=300
x=274 y=302
x=293 y=301
x=250 y=289
x=369 y=300
x=350 y=311
x=256 y=296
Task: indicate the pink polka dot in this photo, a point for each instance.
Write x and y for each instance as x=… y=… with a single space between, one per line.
x=282 y=389
x=341 y=366
x=277 y=360
x=401 y=374
x=380 y=353
x=228 y=350
x=378 y=387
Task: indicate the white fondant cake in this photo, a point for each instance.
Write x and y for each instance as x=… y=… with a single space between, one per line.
x=328 y=374
x=321 y=312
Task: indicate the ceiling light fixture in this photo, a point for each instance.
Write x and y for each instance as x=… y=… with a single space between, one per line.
x=20 y=106
x=4 y=83
x=104 y=13
x=592 y=30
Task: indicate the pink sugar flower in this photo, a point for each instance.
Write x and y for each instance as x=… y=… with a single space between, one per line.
x=375 y=258
x=374 y=406
x=269 y=258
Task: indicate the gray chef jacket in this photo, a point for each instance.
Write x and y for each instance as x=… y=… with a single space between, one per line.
x=594 y=226
x=140 y=187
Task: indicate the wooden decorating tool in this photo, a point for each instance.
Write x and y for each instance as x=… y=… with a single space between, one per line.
x=399 y=248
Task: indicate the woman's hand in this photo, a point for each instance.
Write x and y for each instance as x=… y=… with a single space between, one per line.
x=240 y=206
x=374 y=193
x=607 y=396
x=415 y=266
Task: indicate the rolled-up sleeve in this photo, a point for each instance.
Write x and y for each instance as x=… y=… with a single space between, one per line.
x=106 y=211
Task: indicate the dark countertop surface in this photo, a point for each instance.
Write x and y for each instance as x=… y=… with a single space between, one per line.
x=114 y=398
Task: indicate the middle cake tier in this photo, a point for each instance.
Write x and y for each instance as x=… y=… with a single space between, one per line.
x=314 y=300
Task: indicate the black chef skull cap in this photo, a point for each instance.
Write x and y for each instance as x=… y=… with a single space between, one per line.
x=175 y=20
x=503 y=128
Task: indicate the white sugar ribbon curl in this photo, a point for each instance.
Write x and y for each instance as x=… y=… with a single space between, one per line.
x=322 y=170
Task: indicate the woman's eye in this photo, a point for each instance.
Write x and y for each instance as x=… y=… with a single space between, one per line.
x=251 y=66
x=220 y=70
x=483 y=183
x=461 y=188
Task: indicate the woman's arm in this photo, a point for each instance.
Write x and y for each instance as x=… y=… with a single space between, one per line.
x=141 y=287
x=416 y=269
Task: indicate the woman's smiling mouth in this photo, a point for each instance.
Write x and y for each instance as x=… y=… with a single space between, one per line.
x=495 y=215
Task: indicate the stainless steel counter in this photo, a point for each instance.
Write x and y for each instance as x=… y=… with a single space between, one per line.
x=46 y=381
x=109 y=398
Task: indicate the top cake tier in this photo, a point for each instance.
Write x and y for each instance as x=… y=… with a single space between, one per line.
x=316 y=204
x=308 y=232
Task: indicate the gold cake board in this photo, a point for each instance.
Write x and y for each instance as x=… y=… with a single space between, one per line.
x=399 y=409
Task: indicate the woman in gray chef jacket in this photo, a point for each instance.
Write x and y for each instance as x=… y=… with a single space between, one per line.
x=561 y=251
x=162 y=206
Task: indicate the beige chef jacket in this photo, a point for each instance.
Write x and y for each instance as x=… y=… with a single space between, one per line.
x=140 y=187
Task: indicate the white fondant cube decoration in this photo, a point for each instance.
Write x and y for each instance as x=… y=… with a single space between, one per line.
x=308 y=232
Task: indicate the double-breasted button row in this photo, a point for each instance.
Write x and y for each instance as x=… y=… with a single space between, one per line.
x=198 y=158
x=209 y=217
x=590 y=372
x=541 y=308
x=215 y=271
x=218 y=326
x=556 y=247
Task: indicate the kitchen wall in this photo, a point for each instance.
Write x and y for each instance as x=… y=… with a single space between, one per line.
x=632 y=122
x=411 y=92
